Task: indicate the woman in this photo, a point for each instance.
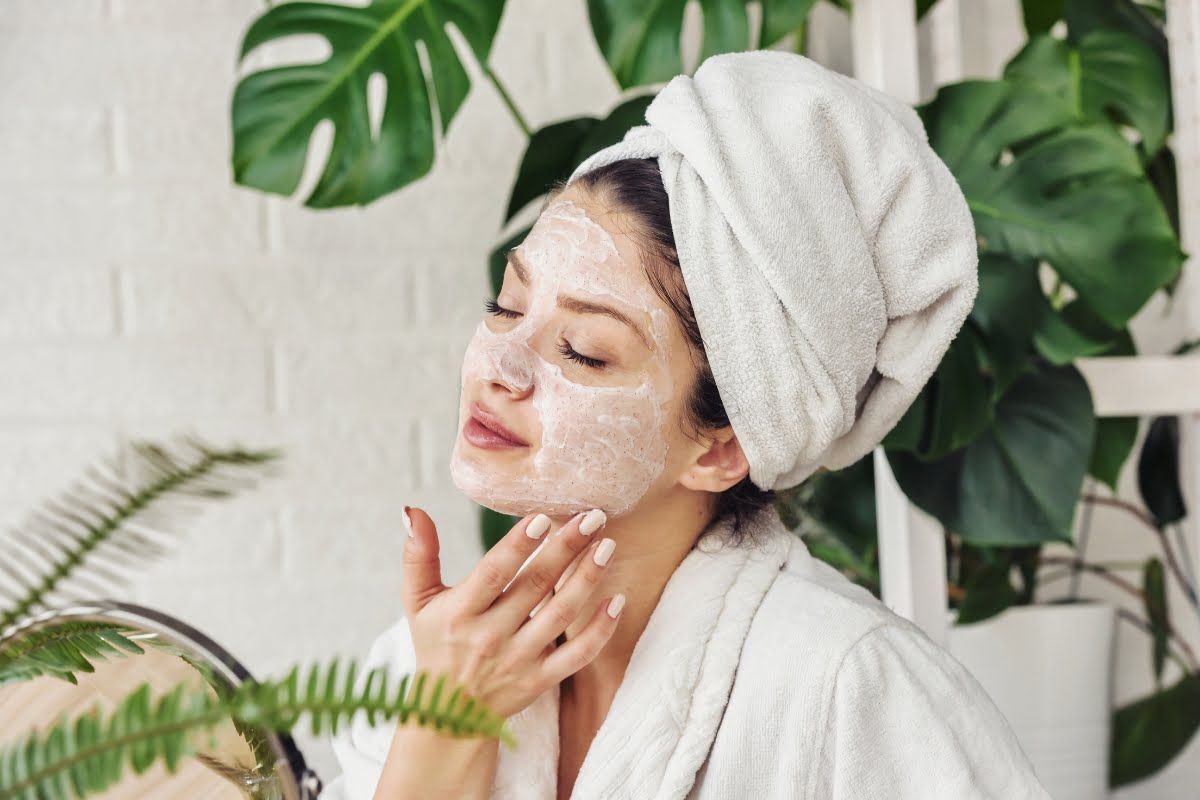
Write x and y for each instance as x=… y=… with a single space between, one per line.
x=753 y=286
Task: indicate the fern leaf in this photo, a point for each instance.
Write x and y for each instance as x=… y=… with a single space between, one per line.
x=89 y=753
x=69 y=647
x=115 y=516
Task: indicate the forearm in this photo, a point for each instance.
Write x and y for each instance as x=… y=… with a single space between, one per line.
x=425 y=764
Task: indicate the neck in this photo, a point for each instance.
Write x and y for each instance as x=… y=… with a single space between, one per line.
x=651 y=543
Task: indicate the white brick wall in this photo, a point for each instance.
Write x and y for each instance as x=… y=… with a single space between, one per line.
x=146 y=295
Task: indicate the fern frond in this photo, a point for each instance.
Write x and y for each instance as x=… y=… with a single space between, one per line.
x=88 y=754
x=64 y=649
x=115 y=516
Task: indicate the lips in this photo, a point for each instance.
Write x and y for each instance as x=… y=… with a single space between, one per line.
x=493 y=424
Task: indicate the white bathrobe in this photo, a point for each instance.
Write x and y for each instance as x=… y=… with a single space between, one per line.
x=763 y=673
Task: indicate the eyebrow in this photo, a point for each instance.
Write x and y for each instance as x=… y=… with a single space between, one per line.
x=576 y=304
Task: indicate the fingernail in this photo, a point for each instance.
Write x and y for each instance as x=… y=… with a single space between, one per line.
x=592 y=522
x=537 y=526
x=604 y=552
x=615 y=605
x=407 y=522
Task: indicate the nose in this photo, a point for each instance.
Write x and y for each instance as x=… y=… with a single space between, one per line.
x=512 y=370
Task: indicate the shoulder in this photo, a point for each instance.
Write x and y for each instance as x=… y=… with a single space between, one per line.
x=841 y=632
x=891 y=711
x=813 y=610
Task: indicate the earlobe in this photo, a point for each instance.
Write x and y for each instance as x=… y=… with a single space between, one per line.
x=720 y=466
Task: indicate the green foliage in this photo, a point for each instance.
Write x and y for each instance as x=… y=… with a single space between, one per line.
x=1040 y=15
x=1111 y=446
x=494 y=526
x=991 y=447
x=641 y=41
x=554 y=151
x=1103 y=74
x=276 y=110
x=1016 y=484
x=1149 y=733
x=989 y=591
x=113 y=513
x=89 y=753
x=551 y=156
x=1158 y=472
x=96 y=518
x=1154 y=594
x=834 y=513
x=63 y=650
x=1043 y=188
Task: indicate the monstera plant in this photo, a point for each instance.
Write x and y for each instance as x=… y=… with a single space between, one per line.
x=1063 y=160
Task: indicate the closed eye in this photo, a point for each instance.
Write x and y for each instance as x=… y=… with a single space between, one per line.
x=569 y=352
x=498 y=310
x=565 y=348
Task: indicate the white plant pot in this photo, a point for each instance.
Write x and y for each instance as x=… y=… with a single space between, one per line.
x=1049 y=669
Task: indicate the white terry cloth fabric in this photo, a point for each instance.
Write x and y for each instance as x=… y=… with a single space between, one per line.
x=829 y=254
x=763 y=673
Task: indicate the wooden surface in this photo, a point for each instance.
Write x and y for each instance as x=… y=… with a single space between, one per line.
x=37 y=704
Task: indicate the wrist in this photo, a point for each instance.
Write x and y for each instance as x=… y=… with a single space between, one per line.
x=426 y=763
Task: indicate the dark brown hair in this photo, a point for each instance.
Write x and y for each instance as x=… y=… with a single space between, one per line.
x=635 y=186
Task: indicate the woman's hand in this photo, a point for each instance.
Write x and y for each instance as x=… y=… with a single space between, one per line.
x=479 y=633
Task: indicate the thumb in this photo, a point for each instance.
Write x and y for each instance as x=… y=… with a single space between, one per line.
x=422 y=566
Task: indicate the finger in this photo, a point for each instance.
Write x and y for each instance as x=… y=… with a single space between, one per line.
x=580 y=651
x=543 y=573
x=500 y=565
x=422 y=563
x=561 y=580
x=565 y=605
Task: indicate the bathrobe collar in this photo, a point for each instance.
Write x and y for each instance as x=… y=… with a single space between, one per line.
x=665 y=714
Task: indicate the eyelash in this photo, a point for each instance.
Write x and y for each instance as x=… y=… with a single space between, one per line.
x=500 y=311
x=565 y=349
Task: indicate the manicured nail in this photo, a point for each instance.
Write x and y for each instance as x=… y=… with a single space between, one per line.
x=537 y=526
x=604 y=552
x=407 y=522
x=615 y=605
x=592 y=522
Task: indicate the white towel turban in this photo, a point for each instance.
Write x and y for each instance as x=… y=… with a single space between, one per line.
x=828 y=252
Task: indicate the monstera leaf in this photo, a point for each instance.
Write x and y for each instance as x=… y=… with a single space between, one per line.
x=1143 y=19
x=1017 y=483
x=994 y=346
x=640 y=40
x=554 y=151
x=1106 y=74
x=275 y=110
x=1044 y=187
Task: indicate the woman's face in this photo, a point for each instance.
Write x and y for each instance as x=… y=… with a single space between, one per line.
x=585 y=368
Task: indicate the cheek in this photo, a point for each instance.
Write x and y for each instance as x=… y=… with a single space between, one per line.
x=599 y=447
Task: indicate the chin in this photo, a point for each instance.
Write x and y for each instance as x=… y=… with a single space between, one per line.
x=506 y=493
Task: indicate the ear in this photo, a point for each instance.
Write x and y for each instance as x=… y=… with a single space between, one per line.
x=720 y=465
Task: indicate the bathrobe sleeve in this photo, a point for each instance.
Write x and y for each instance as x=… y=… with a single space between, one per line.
x=361 y=748
x=907 y=721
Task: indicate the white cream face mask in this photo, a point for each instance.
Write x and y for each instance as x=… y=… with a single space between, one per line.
x=601 y=446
